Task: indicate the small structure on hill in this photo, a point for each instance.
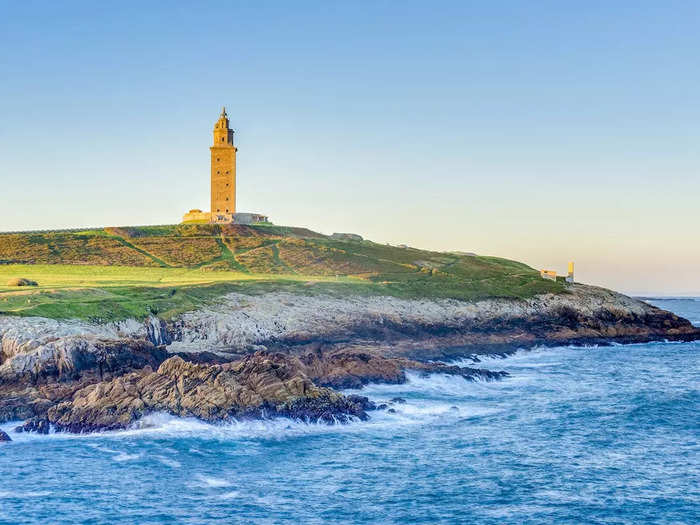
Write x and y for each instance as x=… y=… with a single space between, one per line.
x=223 y=182
x=347 y=237
x=570 y=275
x=552 y=275
x=196 y=216
x=204 y=217
x=548 y=274
x=245 y=218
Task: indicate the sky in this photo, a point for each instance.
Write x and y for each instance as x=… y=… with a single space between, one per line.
x=538 y=131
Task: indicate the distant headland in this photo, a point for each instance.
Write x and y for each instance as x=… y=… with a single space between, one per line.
x=227 y=315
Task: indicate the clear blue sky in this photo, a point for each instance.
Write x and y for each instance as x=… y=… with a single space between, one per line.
x=540 y=131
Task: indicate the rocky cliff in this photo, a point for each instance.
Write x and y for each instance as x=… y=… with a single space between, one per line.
x=279 y=354
x=423 y=329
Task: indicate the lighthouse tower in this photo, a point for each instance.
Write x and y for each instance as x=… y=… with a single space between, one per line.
x=223 y=171
x=223 y=183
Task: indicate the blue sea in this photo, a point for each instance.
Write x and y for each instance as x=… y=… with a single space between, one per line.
x=574 y=435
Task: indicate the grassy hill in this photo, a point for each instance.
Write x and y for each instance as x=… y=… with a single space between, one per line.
x=114 y=273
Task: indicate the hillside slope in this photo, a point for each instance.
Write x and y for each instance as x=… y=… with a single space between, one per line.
x=182 y=265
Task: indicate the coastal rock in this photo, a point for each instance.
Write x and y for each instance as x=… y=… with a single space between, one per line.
x=4 y=437
x=253 y=384
x=40 y=425
x=350 y=368
x=87 y=375
x=468 y=373
x=260 y=385
x=355 y=367
x=157 y=331
x=423 y=328
x=33 y=350
x=19 y=402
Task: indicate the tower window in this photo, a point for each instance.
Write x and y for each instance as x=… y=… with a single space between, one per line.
x=222 y=139
x=217 y=172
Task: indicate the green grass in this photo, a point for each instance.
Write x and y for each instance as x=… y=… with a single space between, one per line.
x=123 y=272
x=126 y=243
x=109 y=293
x=113 y=303
x=60 y=276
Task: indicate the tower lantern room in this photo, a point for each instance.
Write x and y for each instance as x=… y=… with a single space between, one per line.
x=223 y=134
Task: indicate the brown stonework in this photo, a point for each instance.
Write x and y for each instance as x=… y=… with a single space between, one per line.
x=223 y=170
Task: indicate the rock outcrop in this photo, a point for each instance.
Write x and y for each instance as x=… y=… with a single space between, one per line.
x=21 y=281
x=424 y=329
x=32 y=349
x=43 y=361
x=261 y=385
x=4 y=437
x=356 y=367
x=258 y=386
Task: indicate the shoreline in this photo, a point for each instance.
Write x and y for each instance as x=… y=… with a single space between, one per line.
x=287 y=355
x=145 y=423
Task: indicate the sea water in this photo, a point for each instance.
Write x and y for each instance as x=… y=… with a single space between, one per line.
x=574 y=435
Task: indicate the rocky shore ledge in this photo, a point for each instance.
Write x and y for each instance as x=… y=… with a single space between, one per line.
x=283 y=355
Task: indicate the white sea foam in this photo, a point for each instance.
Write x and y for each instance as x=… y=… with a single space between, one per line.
x=232 y=494
x=102 y=449
x=209 y=481
x=169 y=462
x=6 y=494
x=413 y=412
x=418 y=383
x=123 y=456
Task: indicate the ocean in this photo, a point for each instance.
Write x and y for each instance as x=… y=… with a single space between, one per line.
x=574 y=435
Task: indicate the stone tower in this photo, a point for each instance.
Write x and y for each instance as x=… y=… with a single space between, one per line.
x=223 y=171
